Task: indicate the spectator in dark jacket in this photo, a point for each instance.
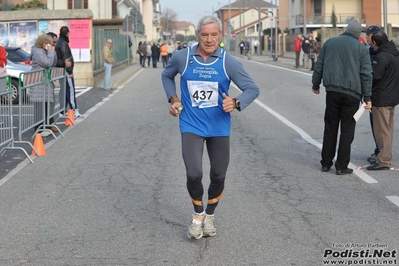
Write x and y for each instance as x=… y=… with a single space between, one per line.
x=344 y=66
x=143 y=53
x=312 y=45
x=385 y=96
x=369 y=32
x=64 y=52
x=155 y=54
x=306 y=51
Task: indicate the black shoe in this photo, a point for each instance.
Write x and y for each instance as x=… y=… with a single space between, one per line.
x=325 y=168
x=346 y=171
x=373 y=158
x=378 y=166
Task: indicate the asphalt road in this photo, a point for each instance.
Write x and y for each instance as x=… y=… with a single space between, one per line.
x=112 y=192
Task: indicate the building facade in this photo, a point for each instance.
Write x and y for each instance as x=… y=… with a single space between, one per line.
x=314 y=14
x=243 y=16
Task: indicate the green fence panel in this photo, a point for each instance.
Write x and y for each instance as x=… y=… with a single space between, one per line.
x=120 y=48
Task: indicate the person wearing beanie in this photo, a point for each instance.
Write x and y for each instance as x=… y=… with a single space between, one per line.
x=345 y=69
x=354 y=27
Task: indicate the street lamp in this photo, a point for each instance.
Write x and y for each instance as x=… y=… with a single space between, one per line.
x=127 y=35
x=271 y=37
x=259 y=28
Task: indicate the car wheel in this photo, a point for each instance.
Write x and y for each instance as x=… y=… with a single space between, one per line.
x=14 y=91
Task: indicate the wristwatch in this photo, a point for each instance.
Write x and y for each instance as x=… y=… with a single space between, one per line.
x=237 y=103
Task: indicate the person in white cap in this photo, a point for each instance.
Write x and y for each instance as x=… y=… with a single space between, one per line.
x=344 y=66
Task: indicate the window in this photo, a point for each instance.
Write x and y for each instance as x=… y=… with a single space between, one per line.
x=317 y=6
x=77 y=4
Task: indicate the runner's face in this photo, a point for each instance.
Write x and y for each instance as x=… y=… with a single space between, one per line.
x=209 y=37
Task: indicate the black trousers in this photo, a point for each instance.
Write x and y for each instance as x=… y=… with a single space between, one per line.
x=219 y=157
x=340 y=109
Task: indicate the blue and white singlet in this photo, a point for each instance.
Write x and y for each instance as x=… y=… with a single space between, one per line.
x=202 y=86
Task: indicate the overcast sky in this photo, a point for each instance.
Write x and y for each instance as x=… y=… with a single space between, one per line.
x=193 y=10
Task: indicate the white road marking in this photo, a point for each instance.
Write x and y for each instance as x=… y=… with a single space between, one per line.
x=305 y=136
x=394 y=199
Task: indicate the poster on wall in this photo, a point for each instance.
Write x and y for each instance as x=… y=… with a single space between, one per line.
x=79 y=35
x=79 y=39
x=55 y=25
x=42 y=28
x=4 y=34
x=23 y=35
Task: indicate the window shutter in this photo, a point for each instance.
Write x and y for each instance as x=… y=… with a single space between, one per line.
x=85 y=4
x=114 y=8
x=70 y=4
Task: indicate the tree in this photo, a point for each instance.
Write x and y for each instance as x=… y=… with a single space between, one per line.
x=333 y=18
x=34 y=4
x=168 y=19
x=6 y=6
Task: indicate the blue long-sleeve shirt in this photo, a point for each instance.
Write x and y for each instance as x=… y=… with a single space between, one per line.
x=234 y=70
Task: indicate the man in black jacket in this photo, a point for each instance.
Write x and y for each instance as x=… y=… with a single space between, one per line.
x=306 y=51
x=369 y=32
x=385 y=96
x=64 y=52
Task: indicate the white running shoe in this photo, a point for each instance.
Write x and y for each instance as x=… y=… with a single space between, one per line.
x=195 y=229
x=45 y=133
x=76 y=113
x=209 y=225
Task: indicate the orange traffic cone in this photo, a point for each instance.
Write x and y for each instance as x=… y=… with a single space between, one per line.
x=39 y=146
x=70 y=121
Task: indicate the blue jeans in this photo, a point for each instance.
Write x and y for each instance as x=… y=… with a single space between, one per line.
x=107 y=76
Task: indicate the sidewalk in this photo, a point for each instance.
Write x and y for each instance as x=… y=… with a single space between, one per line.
x=119 y=76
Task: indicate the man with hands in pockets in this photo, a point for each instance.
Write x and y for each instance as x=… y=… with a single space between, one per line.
x=204 y=115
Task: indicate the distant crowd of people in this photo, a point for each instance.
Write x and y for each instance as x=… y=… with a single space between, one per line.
x=152 y=51
x=248 y=45
x=306 y=50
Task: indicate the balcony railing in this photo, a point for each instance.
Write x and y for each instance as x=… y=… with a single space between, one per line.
x=326 y=18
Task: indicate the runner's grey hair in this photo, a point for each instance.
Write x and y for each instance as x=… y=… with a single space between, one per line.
x=209 y=20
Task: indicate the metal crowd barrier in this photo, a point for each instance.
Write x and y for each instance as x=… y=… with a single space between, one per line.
x=6 y=118
x=31 y=114
x=56 y=74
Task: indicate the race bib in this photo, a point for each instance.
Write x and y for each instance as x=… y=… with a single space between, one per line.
x=203 y=94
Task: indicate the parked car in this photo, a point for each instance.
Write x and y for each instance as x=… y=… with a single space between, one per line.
x=19 y=56
x=14 y=70
x=18 y=61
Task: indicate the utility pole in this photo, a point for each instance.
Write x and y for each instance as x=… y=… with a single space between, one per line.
x=240 y=23
x=259 y=29
x=271 y=36
x=229 y=30
x=276 y=24
x=385 y=16
x=304 y=18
